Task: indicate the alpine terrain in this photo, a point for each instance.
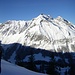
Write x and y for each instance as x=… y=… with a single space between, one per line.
x=42 y=32
x=43 y=44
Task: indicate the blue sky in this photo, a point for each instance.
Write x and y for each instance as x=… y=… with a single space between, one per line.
x=28 y=9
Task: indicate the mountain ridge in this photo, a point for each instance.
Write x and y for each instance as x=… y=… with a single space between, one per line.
x=43 y=41
x=41 y=32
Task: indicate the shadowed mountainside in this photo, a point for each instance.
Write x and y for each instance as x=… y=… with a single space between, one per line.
x=41 y=58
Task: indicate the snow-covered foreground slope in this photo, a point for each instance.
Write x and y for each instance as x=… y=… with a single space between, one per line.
x=11 y=69
x=41 y=32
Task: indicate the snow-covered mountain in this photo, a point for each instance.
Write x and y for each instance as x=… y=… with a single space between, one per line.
x=42 y=40
x=11 y=69
x=41 y=32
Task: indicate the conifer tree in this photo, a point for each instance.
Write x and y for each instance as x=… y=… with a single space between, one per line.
x=31 y=64
x=51 y=66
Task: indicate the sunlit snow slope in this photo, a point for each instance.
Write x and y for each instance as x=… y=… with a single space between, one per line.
x=41 y=32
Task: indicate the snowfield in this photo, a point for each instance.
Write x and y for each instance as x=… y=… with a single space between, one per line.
x=11 y=69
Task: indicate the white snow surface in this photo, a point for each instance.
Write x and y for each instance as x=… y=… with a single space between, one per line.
x=41 y=32
x=11 y=69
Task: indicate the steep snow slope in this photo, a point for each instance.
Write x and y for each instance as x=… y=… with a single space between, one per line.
x=41 y=32
x=11 y=69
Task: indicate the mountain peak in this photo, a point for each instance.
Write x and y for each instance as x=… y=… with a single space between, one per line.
x=59 y=18
x=45 y=17
x=39 y=32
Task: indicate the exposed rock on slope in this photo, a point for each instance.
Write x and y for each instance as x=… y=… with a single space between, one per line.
x=41 y=32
